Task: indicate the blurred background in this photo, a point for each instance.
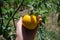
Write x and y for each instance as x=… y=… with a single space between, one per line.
x=12 y=10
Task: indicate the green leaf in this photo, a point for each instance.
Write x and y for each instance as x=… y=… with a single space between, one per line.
x=4 y=10
x=43 y=11
x=28 y=1
x=46 y=20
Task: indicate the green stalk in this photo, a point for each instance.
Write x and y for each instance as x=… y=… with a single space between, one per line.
x=14 y=13
x=1 y=17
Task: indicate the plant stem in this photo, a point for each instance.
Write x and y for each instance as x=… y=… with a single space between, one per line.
x=14 y=13
x=1 y=20
x=40 y=32
x=13 y=21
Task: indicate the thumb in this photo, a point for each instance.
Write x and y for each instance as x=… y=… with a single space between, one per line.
x=19 y=23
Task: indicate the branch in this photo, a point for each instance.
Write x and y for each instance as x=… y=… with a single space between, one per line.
x=14 y=13
x=13 y=21
x=1 y=21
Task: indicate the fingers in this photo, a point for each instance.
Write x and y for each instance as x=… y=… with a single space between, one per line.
x=19 y=23
x=40 y=19
x=19 y=26
x=19 y=29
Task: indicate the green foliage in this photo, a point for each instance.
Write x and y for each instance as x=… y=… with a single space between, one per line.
x=40 y=7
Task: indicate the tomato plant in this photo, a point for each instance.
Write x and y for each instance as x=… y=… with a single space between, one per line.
x=9 y=13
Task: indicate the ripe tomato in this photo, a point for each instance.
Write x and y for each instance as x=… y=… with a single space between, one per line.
x=29 y=21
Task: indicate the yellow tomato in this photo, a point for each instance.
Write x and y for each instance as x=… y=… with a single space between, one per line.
x=29 y=21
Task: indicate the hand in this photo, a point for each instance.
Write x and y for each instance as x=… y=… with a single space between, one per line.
x=23 y=33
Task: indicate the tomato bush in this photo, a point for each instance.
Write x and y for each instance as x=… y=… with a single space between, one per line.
x=9 y=13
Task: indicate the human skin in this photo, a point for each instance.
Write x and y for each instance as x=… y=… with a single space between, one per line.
x=24 y=34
